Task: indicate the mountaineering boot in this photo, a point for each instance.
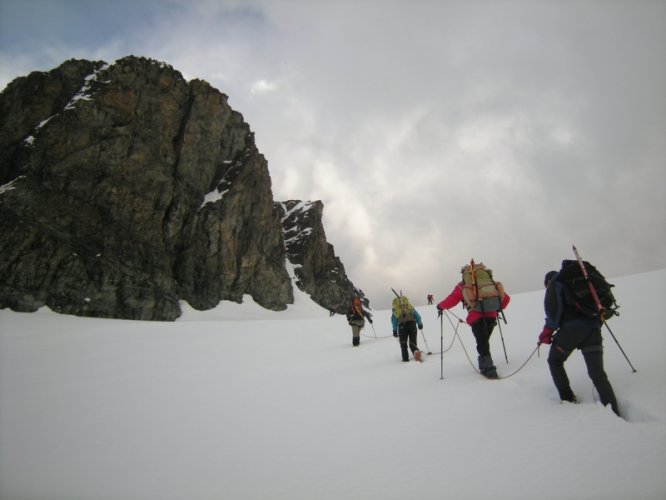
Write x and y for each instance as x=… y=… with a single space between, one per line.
x=417 y=356
x=487 y=367
x=595 y=369
x=356 y=341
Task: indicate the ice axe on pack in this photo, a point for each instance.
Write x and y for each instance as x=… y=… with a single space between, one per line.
x=597 y=302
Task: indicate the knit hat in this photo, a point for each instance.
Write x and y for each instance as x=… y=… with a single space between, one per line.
x=549 y=276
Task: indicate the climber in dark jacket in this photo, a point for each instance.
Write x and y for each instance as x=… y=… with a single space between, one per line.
x=567 y=329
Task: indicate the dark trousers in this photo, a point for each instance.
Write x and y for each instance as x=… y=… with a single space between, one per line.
x=407 y=332
x=482 y=330
x=588 y=340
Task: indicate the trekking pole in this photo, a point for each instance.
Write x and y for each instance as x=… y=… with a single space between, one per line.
x=618 y=344
x=499 y=324
x=441 y=345
x=373 y=330
x=426 y=343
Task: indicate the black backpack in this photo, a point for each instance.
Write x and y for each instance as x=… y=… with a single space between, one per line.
x=580 y=296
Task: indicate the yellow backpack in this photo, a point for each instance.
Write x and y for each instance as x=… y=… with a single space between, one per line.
x=403 y=309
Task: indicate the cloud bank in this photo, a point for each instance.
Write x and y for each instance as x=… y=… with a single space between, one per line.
x=433 y=132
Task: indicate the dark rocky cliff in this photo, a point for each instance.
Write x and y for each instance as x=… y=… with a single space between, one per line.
x=125 y=189
x=318 y=271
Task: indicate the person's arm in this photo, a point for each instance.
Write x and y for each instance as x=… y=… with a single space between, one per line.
x=454 y=298
x=417 y=317
x=553 y=306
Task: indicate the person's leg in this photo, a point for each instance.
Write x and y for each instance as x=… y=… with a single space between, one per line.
x=487 y=367
x=403 y=336
x=556 y=358
x=356 y=335
x=593 y=354
x=413 y=340
x=482 y=330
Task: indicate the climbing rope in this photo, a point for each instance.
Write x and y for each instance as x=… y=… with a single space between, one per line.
x=453 y=339
x=455 y=328
x=521 y=366
x=375 y=336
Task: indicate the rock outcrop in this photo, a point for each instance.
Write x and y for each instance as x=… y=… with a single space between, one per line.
x=125 y=189
x=318 y=271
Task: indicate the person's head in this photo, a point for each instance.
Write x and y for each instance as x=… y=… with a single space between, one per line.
x=548 y=277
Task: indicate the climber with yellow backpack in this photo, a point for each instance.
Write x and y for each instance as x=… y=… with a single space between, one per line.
x=404 y=320
x=484 y=298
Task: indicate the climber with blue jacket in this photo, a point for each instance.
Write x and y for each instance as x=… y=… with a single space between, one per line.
x=404 y=320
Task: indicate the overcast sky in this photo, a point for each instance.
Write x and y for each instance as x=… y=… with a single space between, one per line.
x=433 y=131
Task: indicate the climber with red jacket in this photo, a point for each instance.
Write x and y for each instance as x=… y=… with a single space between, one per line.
x=481 y=313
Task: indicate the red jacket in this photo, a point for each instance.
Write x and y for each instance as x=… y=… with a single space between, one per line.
x=456 y=297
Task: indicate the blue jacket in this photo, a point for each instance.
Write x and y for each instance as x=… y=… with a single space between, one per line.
x=557 y=304
x=417 y=318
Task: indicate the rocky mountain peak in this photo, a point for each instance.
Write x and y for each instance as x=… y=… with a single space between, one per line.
x=125 y=189
x=318 y=271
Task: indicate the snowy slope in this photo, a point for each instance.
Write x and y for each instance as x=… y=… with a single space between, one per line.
x=244 y=403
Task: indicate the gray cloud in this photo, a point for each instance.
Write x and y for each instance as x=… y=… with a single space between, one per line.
x=433 y=131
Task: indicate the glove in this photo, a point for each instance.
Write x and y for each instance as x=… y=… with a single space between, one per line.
x=370 y=321
x=395 y=333
x=546 y=336
x=439 y=313
x=420 y=327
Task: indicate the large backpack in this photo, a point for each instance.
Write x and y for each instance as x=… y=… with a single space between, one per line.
x=403 y=309
x=580 y=297
x=480 y=291
x=357 y=307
